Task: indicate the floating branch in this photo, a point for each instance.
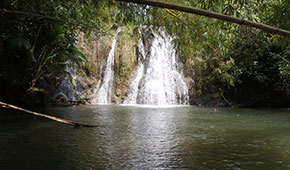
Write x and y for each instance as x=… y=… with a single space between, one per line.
x=68 y=122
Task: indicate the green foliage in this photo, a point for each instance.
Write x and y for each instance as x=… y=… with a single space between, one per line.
x=38 y=38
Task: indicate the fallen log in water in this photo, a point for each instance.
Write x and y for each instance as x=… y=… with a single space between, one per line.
x=68 y=122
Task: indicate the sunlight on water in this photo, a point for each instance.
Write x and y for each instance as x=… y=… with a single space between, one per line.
x=141 y=137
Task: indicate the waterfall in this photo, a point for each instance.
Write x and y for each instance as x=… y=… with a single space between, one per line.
x=157 y=80
x=103 y=91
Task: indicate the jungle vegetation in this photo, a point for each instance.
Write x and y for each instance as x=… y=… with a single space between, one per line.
x=230 y=63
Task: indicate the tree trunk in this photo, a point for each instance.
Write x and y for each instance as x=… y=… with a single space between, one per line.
x=219 y=16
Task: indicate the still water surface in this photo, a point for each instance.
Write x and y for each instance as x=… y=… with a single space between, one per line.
x=130 y=137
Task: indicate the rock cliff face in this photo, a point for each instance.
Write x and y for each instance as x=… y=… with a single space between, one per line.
x=127 y=57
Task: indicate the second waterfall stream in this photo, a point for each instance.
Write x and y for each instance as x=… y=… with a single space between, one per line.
x=103 y=91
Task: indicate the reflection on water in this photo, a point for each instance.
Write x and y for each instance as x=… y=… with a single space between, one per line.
x=130 y=137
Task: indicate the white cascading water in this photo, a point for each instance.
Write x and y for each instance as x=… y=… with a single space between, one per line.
x=103 y=93
x=157 y=80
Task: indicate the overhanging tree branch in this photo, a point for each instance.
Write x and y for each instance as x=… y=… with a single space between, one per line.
x=206 y=13
x=52 y=18
x=44 y=17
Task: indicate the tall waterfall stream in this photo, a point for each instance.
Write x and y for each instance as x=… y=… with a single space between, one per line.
x=157 y=80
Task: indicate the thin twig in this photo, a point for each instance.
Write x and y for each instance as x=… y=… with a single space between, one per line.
x=174 y=15
x=34 y=44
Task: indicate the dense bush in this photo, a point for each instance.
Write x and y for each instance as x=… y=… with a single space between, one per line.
x=262 y=70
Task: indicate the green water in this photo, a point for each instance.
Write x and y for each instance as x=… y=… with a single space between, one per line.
x=130 y=137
